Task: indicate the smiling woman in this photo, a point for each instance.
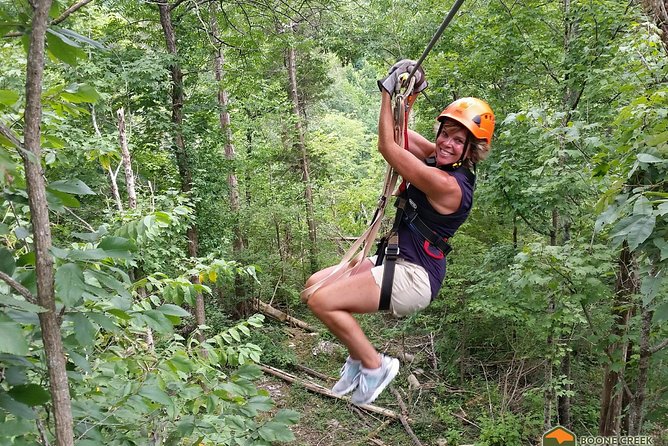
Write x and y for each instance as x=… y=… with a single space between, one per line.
x=437 y=200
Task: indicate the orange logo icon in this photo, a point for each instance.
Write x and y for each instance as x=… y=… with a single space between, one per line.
x=559 y=436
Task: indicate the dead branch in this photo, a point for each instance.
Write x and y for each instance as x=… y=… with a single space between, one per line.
x=376 y=431
x=317 y=388
x=464 y=419
x=279 y=315
x=404 y=417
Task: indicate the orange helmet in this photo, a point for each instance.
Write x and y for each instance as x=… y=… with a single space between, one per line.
x=474 y=114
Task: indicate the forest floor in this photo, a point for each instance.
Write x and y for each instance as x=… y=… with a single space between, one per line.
x=327 y=421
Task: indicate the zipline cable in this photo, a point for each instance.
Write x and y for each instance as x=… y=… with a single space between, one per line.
x=353 y=258
x=437 y=35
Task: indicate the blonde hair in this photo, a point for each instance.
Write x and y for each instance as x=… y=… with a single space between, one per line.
x=478 y=148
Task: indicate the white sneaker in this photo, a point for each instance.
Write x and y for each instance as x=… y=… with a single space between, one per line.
x=372 y=384
x=350 y=374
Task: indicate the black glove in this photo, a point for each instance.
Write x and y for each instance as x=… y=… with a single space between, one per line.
x=398 y=75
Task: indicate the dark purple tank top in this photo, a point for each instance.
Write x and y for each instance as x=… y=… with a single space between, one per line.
x=411 y=243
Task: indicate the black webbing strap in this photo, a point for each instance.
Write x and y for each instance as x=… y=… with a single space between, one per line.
x=414 y=222
x=391 y=256
x=388 y=253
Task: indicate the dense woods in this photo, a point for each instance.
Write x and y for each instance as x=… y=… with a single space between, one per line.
x=165 y=164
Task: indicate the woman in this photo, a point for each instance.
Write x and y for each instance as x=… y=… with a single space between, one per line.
x=443 y=194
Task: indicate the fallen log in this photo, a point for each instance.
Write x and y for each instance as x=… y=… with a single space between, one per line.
x=281 y=316
x=312 y=372
x=317 y=388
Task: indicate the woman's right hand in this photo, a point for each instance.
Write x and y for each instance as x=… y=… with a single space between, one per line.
x=398 y=75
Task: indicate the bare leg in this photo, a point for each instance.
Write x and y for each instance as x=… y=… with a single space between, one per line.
x=334 y=304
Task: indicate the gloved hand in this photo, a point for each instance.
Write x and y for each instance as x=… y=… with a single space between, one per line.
x=398 y=75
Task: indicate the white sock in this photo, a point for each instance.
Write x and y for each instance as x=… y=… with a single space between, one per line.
x=353 y=361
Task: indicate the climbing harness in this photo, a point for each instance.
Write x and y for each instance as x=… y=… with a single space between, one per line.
x=359 y=250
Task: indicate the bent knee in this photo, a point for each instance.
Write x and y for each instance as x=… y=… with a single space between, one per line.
x=317 y=303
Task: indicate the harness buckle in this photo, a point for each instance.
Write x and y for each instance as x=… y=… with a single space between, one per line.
x=392 y=251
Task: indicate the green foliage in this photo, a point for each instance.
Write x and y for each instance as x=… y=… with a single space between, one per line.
x=580 y=99
x=503 y=431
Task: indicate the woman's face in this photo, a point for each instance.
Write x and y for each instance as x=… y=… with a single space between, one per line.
x=450 y=144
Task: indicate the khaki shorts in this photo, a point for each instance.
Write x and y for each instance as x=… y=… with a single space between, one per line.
x=411 y=290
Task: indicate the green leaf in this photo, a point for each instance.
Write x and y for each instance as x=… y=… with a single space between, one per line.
x=655 y=140
x=260 y=403
x=21 y=304
x=16 y=375
x=26 y=259
x=80 y=93
x=642 y=206
x=111 y=282
x=235 y=334
x=57 y=200
x=62 y=48
x=30 y=394
x=663 y=247
x=172 y=310
x=117 y=244
x=273 y=431
x=21 y=233
x=287 y=416
x=76 y=36
x=663 y=208
x=7 y=262
x=72 y=186
x=84 y=330
x=13 y=340
x=15 y=408
x=635 y=229
x=69 y=284
x=158 y=321
x=8 y=97
x=650 y=159
x=14 y=428
x=155 y=394
x=119 y=314
x=103 y=321
x=661 y=313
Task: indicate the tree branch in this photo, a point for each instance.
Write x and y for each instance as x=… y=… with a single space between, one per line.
x=659 y=346
x=23 y=291
x=69 y=11
x=537 y=231
x=10 y=135
x=58 y=20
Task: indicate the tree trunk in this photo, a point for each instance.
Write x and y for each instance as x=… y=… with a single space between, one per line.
x=657 y=9
x=39 y=213
x=565 y=400
x=301 y=146
x=226 y=128
x=112 y=175
x=127 y=162
x=179 y=144
x=637 y=412
x=611 y=399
